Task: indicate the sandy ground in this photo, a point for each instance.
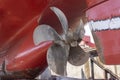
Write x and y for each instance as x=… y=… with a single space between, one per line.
x=83 y=71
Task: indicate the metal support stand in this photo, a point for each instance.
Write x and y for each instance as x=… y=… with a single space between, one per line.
x=107 y=71
x=92 y=69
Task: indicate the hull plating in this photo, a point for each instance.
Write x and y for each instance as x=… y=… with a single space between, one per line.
x=105 y=25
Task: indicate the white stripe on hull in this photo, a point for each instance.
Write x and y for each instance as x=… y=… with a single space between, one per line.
x=109 y=24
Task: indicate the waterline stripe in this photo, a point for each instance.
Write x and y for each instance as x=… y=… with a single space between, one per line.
x=109 y=24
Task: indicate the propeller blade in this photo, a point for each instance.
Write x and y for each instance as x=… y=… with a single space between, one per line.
x=44 y=33
x=79 y=32
x=57 y=56
x=62 y=18
x=77 y=56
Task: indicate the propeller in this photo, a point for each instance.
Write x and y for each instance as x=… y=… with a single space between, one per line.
x=65 y=47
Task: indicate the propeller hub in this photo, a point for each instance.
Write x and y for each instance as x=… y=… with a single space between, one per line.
x=70 y=38
x=74 y=44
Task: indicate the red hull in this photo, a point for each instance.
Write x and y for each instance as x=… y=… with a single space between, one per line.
x=110 y=42
x=104 y=20
x=18 y=20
